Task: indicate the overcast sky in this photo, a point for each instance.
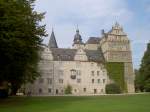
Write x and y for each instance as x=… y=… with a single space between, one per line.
x=93 y=15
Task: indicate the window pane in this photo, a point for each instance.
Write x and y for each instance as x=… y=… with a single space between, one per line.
x=78 y=80
x=41 y=80
x=92 y=80
x=92 y=73
x=49 y=80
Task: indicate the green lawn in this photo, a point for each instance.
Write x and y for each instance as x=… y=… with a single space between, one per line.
x=127 y=103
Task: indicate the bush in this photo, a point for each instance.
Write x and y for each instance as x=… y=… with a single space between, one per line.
x=147 y=86
x=113 y=89
x=68 y=90
x=3 y=93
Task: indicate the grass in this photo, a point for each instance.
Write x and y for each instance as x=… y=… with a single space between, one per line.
x=124 y=103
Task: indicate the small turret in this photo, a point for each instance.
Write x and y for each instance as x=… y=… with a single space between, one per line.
x=77 y=38
x=77 y=42
x=103 y=32
x=52 y=42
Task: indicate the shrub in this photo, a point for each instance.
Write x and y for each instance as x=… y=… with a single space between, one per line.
x=147 y=86
x=68 y=90
x=113 y=88
x=3 y=93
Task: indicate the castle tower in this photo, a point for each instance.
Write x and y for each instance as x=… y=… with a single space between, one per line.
x=52 y=41
x=115 y=46
x=77 y=42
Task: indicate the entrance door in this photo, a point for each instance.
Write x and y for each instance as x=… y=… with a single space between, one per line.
x=95 y=91
x=56 y=91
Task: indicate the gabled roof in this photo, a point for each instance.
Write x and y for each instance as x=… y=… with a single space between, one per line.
x=95 y=55
x=63 y=54
x=69 y=54
x=93 y=40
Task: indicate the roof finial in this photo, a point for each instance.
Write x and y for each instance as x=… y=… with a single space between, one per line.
x=117 y=24
x=77 y=30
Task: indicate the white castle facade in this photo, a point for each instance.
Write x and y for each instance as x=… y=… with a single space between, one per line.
x=82 y=67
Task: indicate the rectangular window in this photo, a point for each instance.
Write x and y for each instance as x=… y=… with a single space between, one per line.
x=84 y=89
x=104 y=80
x=102 y=90
x=49 y=90
x=92 y=80
x=78 y=80
x=60 y=72
x=78 y=72
x=49 y=80
x=61 y=81
x=73 y=72
x=92 y=73
x=40 y=91
x=41 y=80
x=75 y=90
x=98 y=73
x=98 y=80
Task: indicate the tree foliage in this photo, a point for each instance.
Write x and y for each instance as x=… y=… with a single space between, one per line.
x=113 y=88
x=138 y=82
x=116 y=73
x=68 y=89
x=144 y=72
x=20 y=37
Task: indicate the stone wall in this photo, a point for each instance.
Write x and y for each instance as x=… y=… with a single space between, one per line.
x=60 y=72
x=84 y=76
x=129 y=77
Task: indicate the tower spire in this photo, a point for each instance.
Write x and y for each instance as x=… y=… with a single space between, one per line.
x=52 y=40
x=77 y=30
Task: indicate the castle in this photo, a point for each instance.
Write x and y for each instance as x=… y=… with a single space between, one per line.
x=86 y=67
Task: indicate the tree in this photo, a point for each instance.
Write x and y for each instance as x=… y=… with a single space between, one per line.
x=138 y=81
x=113 y=88
x=20 y=38
x=68 y=89
x=144 y=72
